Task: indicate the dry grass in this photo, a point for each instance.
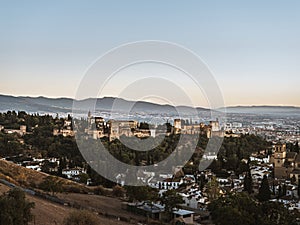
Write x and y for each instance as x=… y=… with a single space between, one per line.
x=45 y=212
x=29 y=178
x=20 y=175
x=101 y=204
x=48 y=213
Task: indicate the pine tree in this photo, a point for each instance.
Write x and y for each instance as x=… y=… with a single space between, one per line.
x=264 y=193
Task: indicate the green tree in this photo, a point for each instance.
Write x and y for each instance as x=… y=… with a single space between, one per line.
x=213 y=189
x=15 y=209
x=264 y=193
x=51 y=184
x=279 y=191
x=241 y=208
x=62 y=165
x=170 y=199
x=248 y=182
x=83 y=178
x=234 y=210
x=141 y=193
x=284 y=190
x=293 y=179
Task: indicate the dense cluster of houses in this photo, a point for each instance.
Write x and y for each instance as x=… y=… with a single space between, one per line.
x=196 y=199
x=281 y=167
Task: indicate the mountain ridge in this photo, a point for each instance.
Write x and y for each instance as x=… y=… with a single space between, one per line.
x=65 y=104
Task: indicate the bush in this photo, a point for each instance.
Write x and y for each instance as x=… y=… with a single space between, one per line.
x=118 y=191
x=51 y=184
x=81 y=217
x=100 y=190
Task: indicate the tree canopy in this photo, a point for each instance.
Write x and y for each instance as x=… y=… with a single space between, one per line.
x=15 y=209
x=170 y=200
x=243 y=209
x=264 y=193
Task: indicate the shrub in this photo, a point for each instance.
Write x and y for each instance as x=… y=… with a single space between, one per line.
x=81 y=217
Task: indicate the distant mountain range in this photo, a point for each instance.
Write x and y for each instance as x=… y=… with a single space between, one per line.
x=64 y=105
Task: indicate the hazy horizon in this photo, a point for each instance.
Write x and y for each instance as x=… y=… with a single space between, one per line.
x=67 y=97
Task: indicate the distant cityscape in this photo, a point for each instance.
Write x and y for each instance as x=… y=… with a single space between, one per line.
x=270 y=153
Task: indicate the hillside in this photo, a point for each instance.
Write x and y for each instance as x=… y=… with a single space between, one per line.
x=29 y=178
x=47 y=212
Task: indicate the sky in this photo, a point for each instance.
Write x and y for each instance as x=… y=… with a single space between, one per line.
x=251 y=47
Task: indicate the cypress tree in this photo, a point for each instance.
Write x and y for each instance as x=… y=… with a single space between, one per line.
x=248 y=183
x=284 y=190
x=264 y=193
x=248 y=179
x=298 y=188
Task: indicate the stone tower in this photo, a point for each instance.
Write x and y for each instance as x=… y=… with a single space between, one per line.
x=279 y=155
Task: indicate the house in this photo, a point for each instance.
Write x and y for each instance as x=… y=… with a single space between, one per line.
x=183 y=215
x=34 y=167
x=292 y=191
x=296 y=171
x=71 y=173
x=151 y=210
x=193 y=198
x=156 y=211
x=210 y=156
x=168 y=184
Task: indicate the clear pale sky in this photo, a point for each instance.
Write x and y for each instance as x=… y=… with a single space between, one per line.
x=252 y=47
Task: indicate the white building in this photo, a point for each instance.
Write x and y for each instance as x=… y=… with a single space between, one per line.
x=70 y=173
